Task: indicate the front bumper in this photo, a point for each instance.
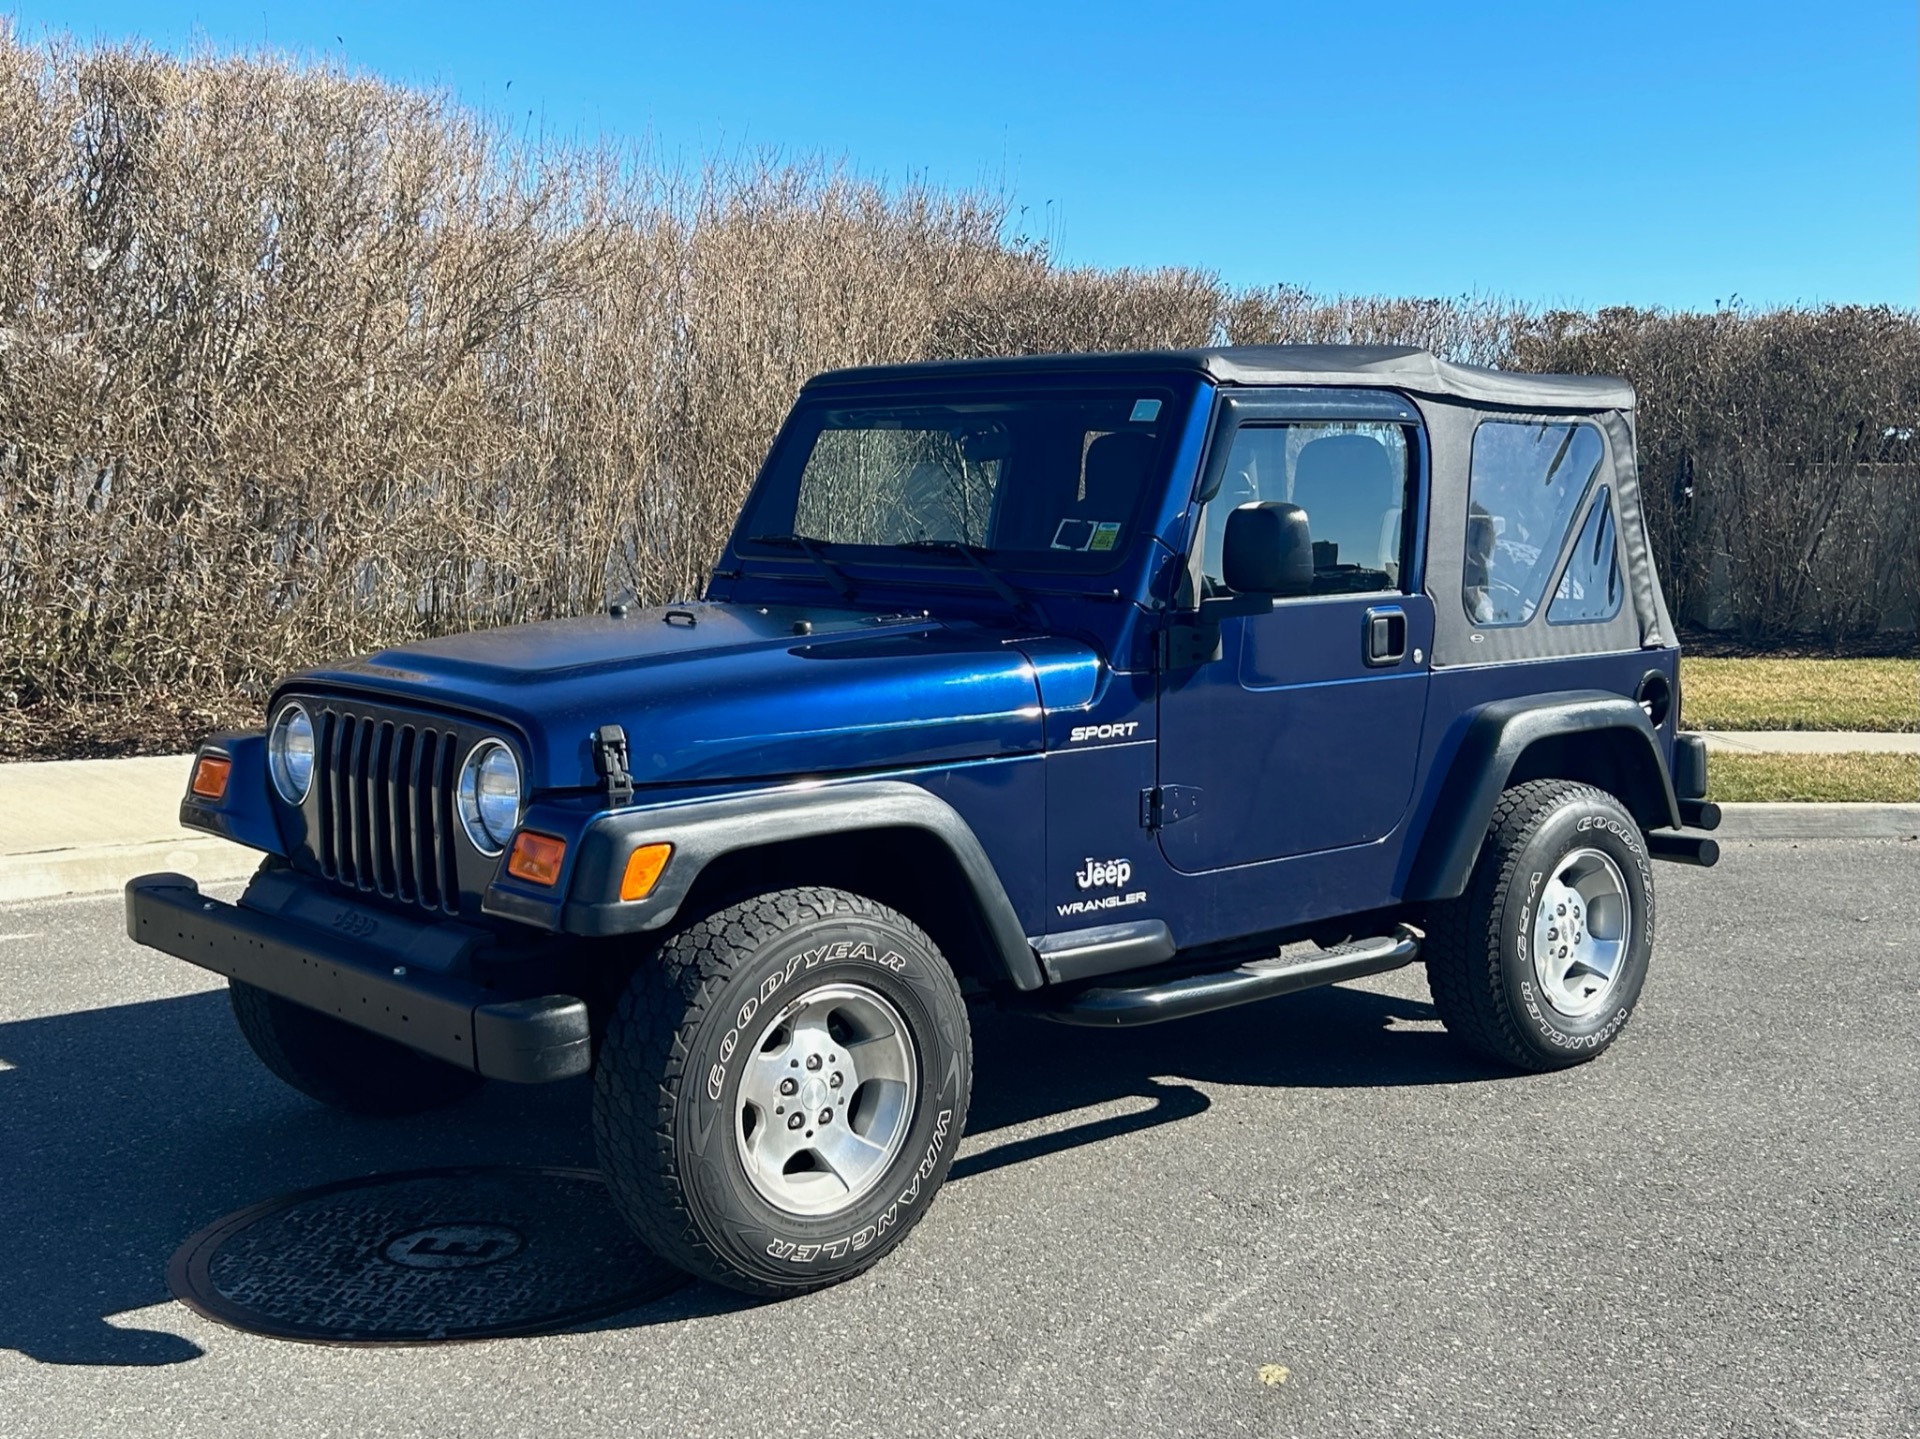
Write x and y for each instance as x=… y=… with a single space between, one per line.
x=376 y=971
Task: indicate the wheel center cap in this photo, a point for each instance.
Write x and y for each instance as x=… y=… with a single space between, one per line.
x=814 y=1094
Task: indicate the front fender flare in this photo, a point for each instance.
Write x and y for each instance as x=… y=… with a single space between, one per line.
x=1495 y=737
x=703 y=831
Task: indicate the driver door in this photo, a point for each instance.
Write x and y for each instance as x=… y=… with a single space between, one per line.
x=1303 y=735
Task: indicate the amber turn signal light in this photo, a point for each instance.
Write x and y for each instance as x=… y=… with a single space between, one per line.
x=210 y=773
x=643 y=870
x=536 y=857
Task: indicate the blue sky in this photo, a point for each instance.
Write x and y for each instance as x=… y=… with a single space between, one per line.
x=1675 y=154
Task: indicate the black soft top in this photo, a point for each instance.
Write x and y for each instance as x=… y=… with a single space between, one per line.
x=1395 y=367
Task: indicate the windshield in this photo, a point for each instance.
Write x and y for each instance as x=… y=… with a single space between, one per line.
x=1033 y=480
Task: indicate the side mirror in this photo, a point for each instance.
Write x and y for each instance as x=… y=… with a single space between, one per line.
x=1267 y=550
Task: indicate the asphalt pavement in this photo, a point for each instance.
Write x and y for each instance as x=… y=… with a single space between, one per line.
x=1714 y=1229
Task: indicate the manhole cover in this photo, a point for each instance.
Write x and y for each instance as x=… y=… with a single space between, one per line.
x=423 y=1257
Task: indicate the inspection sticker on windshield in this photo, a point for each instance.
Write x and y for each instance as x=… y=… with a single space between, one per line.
x=1145 y=410
x=1086 y=535
x=1073 y=534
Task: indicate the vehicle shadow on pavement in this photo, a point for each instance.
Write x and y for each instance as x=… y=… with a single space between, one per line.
x=1324 y=1038
x=126 y=1129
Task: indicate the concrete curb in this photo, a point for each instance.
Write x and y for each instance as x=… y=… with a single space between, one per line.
x=89 y=826
x=1804 y=742
x=1818 y=821
x=104 y=868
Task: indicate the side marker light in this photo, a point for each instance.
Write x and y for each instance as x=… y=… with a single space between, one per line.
x=210 y=773
x=644 y=867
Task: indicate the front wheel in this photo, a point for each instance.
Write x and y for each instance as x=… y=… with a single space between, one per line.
x=781 y=1090
x=1540 y=963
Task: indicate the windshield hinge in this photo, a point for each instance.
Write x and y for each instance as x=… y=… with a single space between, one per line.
x=610 y=762
x=1168 y=804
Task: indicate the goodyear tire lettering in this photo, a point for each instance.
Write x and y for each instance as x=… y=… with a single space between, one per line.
x=806 y=959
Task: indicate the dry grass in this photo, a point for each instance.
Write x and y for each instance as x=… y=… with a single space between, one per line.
x=1828 y=778
x=1800 y=694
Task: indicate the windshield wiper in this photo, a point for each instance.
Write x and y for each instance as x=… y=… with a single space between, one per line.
x=972 y=554
x=809 y=547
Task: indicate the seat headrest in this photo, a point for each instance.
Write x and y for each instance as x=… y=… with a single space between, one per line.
x=1116 y=466
x=1357 y=464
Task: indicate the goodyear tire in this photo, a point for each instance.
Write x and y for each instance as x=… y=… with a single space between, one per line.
x=1541 y=962
x=337 y=1064
x=781 y=1089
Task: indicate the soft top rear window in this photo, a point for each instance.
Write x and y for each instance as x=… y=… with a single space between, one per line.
x=1527 y=482
x=1033 y=479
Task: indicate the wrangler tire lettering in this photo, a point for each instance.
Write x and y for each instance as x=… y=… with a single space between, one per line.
x=1479 y=949
x=666 y=1087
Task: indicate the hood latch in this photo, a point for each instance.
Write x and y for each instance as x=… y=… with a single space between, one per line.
x=610 y=762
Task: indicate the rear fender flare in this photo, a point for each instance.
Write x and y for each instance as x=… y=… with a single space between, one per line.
x=1506 y=742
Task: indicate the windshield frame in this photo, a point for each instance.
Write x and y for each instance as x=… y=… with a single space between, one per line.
x=774 y=499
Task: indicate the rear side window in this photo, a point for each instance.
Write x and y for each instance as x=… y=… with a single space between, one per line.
x=1590 y=589
x=1527 y=482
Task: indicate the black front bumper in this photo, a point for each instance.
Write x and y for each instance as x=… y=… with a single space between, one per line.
x=381 y=973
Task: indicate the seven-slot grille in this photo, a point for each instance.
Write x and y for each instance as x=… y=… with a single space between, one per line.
x=385 y=790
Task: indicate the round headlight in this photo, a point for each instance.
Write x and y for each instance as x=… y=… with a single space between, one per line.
x=290 y=754
x=490 y=795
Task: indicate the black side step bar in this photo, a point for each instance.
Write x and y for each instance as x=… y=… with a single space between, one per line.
x=1104 y=1005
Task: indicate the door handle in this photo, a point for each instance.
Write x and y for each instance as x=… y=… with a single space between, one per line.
x=1384 y=636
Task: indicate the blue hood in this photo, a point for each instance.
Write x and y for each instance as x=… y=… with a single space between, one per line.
x=737 y=694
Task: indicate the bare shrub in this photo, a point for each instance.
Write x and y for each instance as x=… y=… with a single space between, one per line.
x=1781 y=494
x=1471 y=330
x=1023 y=305
x=245 y=385
x=295 y=363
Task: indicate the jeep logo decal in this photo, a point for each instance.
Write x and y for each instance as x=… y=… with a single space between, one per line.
x=1103 y=872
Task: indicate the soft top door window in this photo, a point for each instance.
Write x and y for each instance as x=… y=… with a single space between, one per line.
x=1527 y=483
x=1350 y=478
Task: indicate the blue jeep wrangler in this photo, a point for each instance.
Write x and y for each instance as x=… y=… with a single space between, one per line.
x=1108 y=688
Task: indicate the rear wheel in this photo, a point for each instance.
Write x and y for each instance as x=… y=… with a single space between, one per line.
x=1540 y=963
x=782 y=1088
x=331 y=1061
